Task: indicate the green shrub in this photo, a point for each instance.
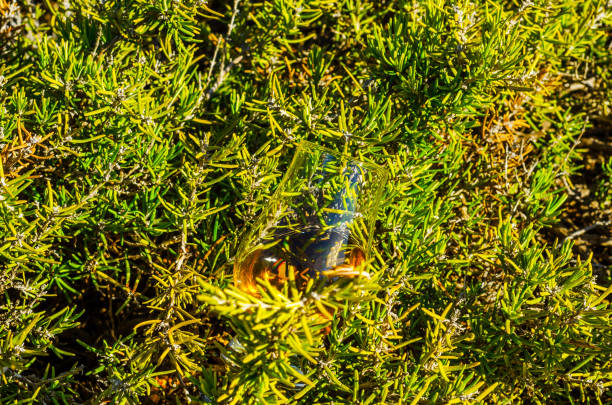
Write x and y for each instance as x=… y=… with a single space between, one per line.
x=140 y=138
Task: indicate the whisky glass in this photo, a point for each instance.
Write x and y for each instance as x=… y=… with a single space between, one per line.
x=317 y=226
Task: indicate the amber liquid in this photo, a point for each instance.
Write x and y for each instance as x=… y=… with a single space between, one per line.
x=278 y=269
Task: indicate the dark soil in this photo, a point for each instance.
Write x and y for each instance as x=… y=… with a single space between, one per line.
x=584 y=220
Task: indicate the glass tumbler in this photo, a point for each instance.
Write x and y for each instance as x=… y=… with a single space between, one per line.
x=317 y=225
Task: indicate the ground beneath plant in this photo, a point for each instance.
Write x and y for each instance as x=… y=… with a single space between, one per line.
x=583 y=220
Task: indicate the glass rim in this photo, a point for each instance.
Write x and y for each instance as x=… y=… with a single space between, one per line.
x=305 y=146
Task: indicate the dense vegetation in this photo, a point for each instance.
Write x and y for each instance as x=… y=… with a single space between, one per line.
x=140 y=138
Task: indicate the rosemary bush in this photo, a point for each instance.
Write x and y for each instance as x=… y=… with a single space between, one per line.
x=140 y=138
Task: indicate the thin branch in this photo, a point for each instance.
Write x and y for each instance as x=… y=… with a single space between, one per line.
x=584 y=230
x=223 y=70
